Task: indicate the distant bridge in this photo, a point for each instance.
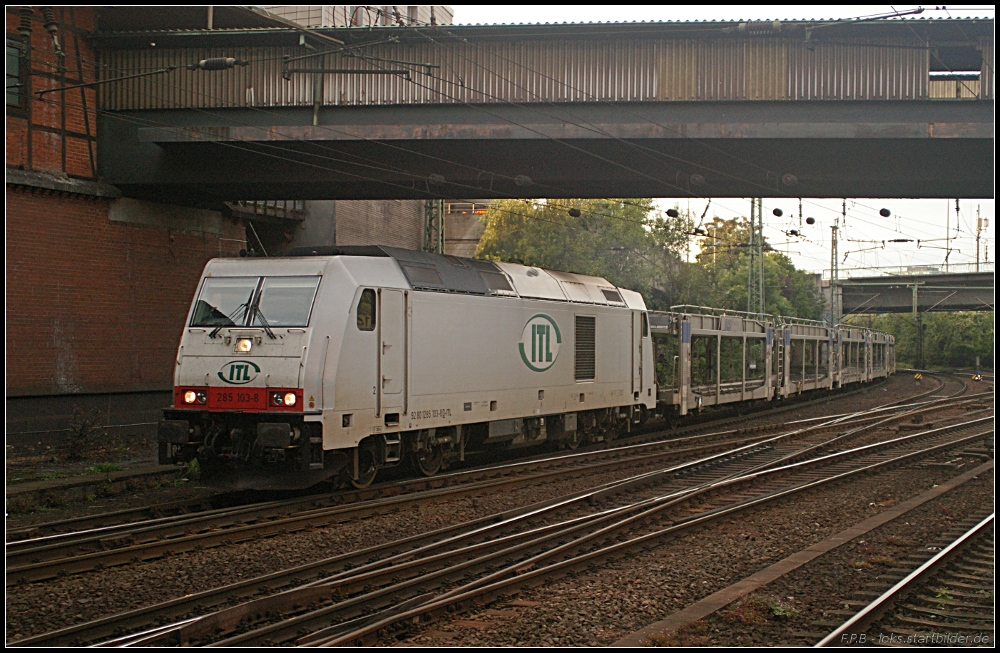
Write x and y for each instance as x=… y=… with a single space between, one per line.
x=918 y=293
x=711 y=109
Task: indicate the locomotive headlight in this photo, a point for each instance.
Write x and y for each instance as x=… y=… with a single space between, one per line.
x=244 y=345
x=290 y=399
x=277 y=399
x=190 y=397
x=202 y=397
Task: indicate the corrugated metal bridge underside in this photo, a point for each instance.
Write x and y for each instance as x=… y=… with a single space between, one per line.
x=921 y=293
x=671 y=109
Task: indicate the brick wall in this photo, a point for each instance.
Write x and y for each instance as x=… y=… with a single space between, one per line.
x=92 y=305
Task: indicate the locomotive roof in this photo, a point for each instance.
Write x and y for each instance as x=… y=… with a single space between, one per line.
x=446 y=273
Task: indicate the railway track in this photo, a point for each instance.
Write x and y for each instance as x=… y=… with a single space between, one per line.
x=949 y=600
x=108 y=526
x=452 y=554
x=553 y=549
x=185 y=508
x=46 y=557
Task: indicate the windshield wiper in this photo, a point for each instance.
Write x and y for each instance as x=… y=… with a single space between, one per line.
x=230 y=317
x=259 y=314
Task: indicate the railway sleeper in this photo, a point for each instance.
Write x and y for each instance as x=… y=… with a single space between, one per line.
x=927 y=623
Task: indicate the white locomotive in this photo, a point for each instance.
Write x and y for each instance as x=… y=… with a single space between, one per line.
x=342 y=360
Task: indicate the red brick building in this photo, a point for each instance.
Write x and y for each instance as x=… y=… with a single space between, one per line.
x=97 y=286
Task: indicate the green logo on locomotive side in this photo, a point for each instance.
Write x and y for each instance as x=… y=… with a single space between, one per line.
x=239 y=372
x=540 y=340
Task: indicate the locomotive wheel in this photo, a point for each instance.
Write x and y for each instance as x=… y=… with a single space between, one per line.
x=643 y=416
x=367 y=467
x=428 y=461
x=574 y=440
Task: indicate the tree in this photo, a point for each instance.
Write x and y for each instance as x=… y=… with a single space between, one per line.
x=950 y=339
x=725 y=257
x=632 y=246
x=623 y=241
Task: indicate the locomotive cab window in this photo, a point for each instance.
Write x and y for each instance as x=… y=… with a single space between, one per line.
x=255 y=301
x=366 y=310
x=285 y=301
x=224 y=301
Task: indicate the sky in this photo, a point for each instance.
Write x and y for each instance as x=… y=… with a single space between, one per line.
x=863 y=231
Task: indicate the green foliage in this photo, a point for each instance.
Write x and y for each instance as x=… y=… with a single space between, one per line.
x=950 y=339
x=616 y=239
x=695 y=633
x=725 y=259
x=633 y=246
x=192 y=471
x=759 y=610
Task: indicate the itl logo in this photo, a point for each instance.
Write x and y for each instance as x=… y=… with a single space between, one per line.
x=540 y=342
x=239 y=372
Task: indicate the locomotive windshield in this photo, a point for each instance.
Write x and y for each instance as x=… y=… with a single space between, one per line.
x=224 y=301
x=285 y=301
x=255 y=301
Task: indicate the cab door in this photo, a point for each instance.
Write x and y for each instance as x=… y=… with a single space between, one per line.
x=392 y=351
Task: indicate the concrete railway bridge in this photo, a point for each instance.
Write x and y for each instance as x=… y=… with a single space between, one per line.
x=882 y=108
x=969 y=289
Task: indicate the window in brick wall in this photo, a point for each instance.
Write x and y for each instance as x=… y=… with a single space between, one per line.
x=15 y=88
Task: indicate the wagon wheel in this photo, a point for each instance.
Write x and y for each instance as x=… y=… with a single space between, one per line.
x=428 y=460
x=367 y=466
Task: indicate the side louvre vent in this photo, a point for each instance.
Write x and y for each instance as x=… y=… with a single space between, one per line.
x=586 y=367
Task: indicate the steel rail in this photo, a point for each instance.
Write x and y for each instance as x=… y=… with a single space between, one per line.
x=104 y=626
x=19 y=571
x=152 y=534
x=40 y=558
x=115 y=517
x=528 y=572
x=126 y=519
x=864 y=618
x=351 y=561
x=104 y=537
x=313 y=593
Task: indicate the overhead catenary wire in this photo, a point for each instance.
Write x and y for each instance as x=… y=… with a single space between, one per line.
x=431 y=195
x=526 y=200
x=652 y=151
x=439 y=28
x=372 y=165
x=439 y=196
x=400 y=148
x=553 y=139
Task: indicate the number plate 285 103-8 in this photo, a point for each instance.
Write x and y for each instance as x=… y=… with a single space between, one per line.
x=249 y=398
